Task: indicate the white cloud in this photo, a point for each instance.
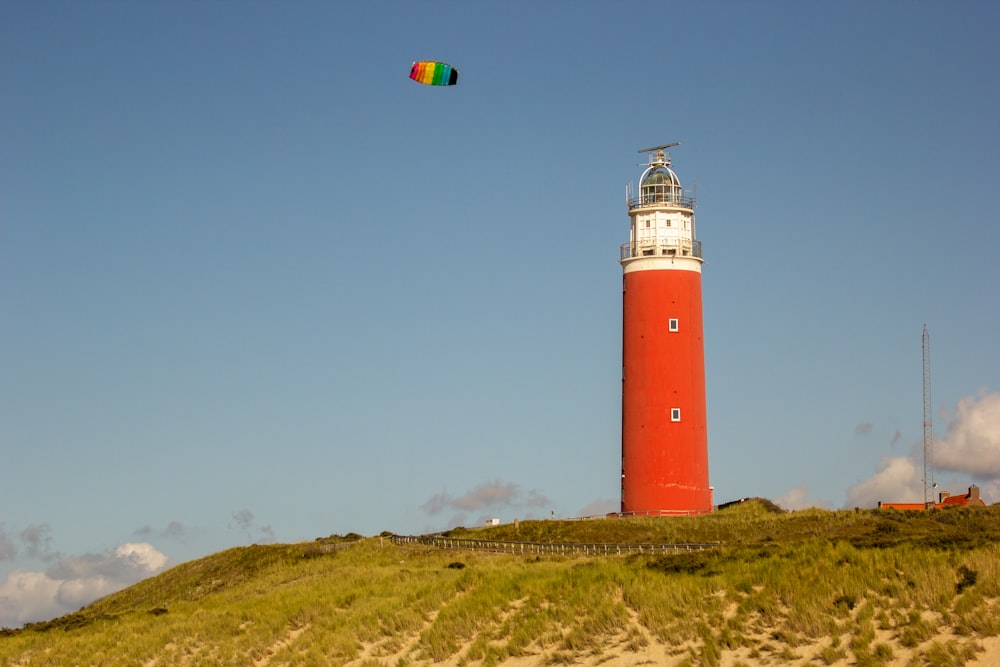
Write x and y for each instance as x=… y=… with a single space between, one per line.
x=798 y=499
x=143 y=555
x=27 y=596
x=971 y=446
x=897 y=479
x=972 y=443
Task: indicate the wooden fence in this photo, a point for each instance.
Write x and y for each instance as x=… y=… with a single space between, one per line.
x=557 y=548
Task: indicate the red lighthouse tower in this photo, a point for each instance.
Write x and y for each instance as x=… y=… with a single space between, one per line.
x=664 y=429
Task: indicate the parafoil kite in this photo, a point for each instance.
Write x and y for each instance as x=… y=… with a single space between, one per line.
x=433 y=74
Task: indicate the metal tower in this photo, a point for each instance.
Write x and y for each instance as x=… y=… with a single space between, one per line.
x=929 y=484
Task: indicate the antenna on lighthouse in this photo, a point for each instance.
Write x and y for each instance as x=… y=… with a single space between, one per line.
x=661 y=157
x=928 y=423
x=659 y=148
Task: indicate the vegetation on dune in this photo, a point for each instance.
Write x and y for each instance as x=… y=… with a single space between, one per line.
x=757 y=521
x=816 y=587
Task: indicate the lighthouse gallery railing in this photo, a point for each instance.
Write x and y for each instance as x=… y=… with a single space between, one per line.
x=661 y=248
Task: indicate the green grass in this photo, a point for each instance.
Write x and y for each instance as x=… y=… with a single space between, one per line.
x=776 y=590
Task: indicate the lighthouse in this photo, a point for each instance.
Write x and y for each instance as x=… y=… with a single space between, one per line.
x=664 y=425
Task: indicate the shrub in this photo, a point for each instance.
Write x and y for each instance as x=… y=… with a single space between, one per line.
x=685 y=562
x=949 y=653
x=966 y=578
x=917 y=631
x=847 y=601
x=711 y=655
x=832 y=654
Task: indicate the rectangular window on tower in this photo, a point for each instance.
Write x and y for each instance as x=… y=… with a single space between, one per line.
x=673 y=325
x=675 y=414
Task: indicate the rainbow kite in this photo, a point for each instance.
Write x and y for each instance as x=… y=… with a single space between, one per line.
x=433 y=74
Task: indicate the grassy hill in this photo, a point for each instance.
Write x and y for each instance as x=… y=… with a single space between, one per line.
x=812 y=587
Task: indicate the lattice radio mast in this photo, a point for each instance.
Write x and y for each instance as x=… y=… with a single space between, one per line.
x=929 y=484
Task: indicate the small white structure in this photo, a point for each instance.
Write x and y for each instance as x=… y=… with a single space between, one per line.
x=493 y=522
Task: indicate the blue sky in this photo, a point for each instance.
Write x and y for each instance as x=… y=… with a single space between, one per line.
x=257 y=285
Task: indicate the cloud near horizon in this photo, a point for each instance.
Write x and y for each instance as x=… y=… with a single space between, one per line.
x=487 y=497
x=28 y=596
x=798 y=499
x=970 y=446
x=897 y=479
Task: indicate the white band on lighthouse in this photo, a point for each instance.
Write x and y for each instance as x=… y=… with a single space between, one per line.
x=662 y=264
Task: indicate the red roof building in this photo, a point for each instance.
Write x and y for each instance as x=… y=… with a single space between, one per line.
x=945 y=499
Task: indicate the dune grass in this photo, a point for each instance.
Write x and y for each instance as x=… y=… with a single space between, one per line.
x=816 y=586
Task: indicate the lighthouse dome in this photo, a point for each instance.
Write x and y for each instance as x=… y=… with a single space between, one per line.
x=660 y=184
x=660 y=176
